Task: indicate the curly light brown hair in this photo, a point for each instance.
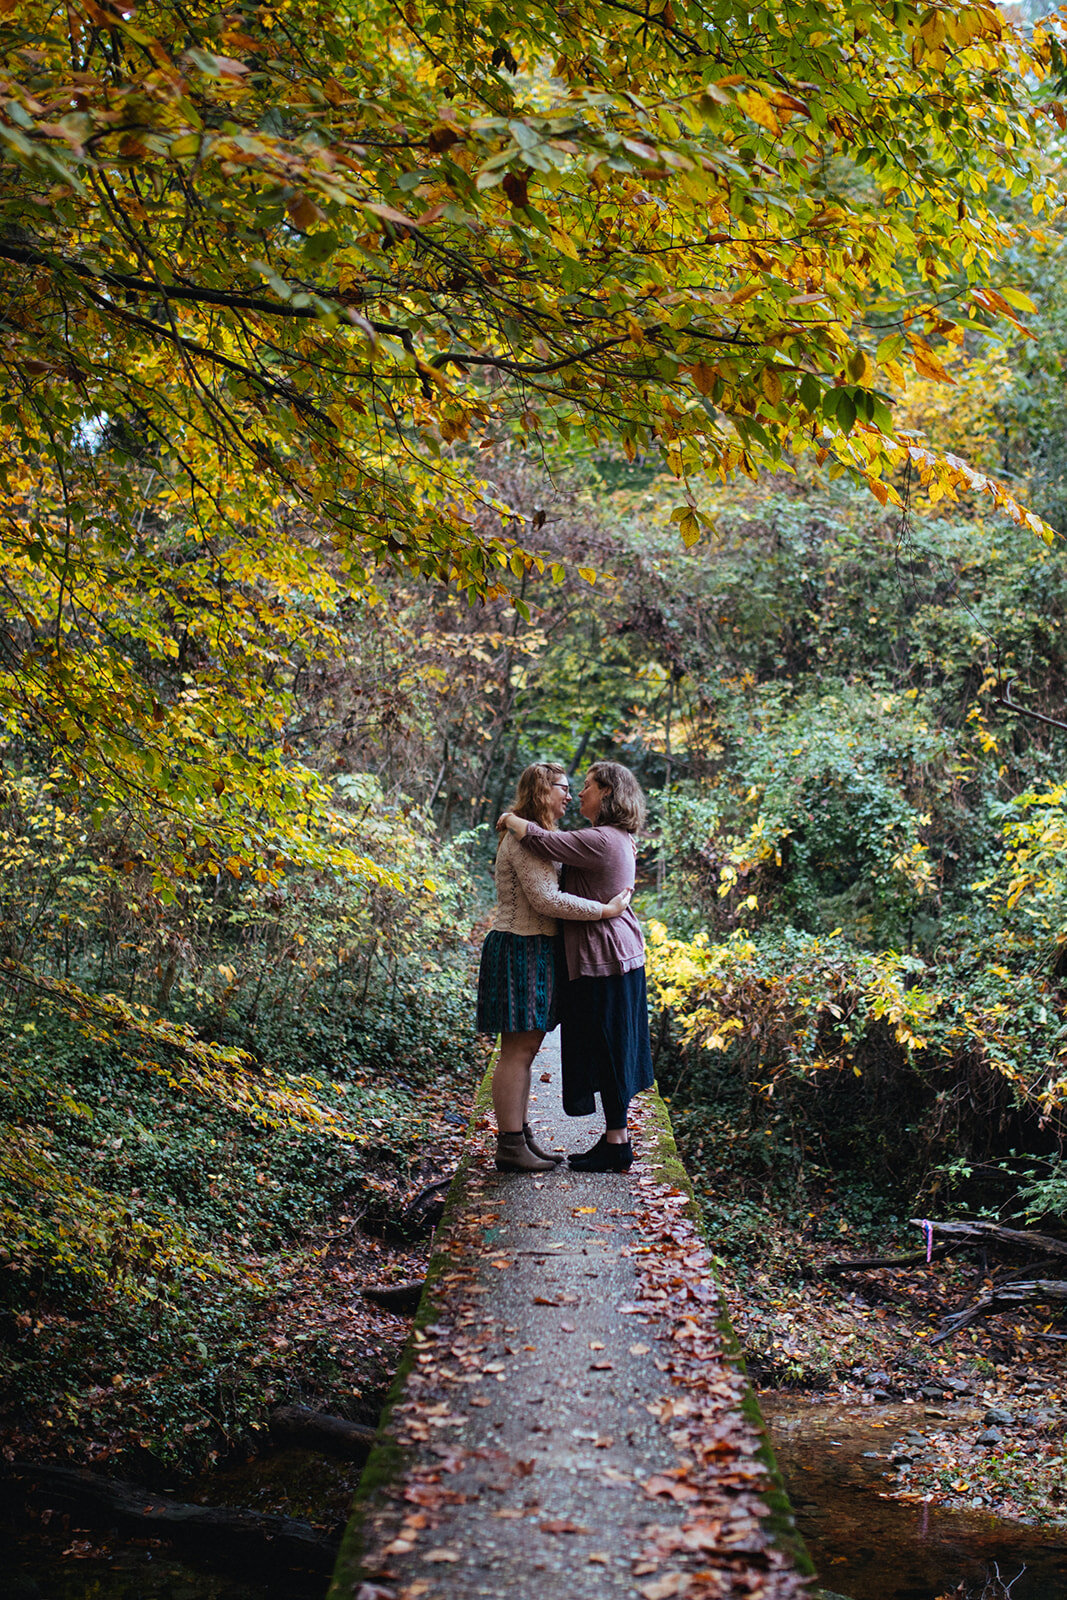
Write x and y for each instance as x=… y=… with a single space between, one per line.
x=534 y=791
x=624 y=804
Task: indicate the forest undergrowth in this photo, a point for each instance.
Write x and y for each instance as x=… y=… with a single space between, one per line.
x=197 y=1264
x=976 y=1420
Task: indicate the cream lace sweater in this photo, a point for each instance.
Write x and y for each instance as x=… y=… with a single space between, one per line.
x=529 y=898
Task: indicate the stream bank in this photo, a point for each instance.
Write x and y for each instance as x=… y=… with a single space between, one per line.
x=842 y=1464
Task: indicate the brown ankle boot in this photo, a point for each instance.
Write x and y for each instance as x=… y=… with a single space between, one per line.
x=513 y=1154
x=531 y=1144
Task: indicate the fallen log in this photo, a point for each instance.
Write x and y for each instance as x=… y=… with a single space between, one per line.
x=319 y=1431
x=992 y=1233
x=864 y=1263
x=249 y=1537
x=400 y=1297
x=999 y=1299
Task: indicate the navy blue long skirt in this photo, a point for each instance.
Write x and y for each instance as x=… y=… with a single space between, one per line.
x=518 y=983
x=605 y=1044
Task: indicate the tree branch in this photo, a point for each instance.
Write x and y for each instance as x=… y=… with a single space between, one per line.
x=1005 y=699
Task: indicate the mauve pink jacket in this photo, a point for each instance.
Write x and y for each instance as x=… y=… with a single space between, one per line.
x=599 y=862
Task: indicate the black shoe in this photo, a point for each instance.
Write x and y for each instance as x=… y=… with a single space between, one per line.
x=604 y=1157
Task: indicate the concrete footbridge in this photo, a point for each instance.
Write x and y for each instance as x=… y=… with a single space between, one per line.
x=571 y=1420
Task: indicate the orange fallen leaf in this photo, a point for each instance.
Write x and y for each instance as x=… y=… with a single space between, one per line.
x=561 y=1525
x=669 y=1487
x=441 y=1555
x=671 y=1583
x=702 y=1535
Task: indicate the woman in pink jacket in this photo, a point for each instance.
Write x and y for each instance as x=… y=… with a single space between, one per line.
x=604 y=1006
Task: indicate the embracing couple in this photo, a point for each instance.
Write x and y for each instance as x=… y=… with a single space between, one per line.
x=594 y=987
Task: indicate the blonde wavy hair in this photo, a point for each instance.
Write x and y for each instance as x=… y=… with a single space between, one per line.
x=534 y=791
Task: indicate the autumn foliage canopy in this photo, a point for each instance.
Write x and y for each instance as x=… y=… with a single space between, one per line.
x=277 y=278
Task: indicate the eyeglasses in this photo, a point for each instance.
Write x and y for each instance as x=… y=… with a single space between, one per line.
x=564 y=786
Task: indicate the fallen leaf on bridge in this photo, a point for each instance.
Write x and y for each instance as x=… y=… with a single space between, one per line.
x=671 y=1583
x=671 y=1487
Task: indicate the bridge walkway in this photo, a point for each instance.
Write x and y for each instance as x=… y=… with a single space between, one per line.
x=571 y=1421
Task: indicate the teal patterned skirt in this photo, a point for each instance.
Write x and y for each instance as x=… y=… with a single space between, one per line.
x=518 y=985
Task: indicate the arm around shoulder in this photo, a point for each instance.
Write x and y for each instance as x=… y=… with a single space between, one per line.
x=576 y=849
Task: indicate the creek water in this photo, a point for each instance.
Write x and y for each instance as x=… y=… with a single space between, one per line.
x=865 y=1547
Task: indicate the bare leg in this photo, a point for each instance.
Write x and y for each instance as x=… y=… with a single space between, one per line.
x=511 y=1078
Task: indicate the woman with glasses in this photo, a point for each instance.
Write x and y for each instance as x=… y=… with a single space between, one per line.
x=518 y=985
x=606 y=1048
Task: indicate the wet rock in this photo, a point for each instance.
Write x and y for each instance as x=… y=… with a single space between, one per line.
x=877 y=1380
x=990 y=1436
x=932 y=1391
x=996 y=1416
x=957 y=1385
x=914 y=1439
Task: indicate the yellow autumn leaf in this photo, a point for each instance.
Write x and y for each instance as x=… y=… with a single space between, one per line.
x=689 y=528
x=759 y=109
x=926 y=363
x=771 y=384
